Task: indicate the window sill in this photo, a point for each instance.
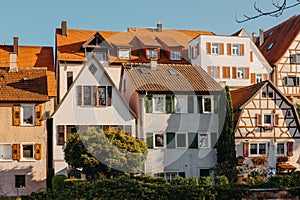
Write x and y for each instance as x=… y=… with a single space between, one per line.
x=27 y=160
x=27 y=125
x=6 y=160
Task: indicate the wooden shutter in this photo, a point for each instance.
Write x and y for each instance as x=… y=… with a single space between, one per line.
x=246 y=149
x=259 y=120
x=198 y=49
x=150 y=140
x=149 y=104
x=233 y=72
x=221 y=48
x=208 y=47
x=38 y=115
x=79 y=95
x=199 y=102
x=226 y=72
x=38 y=152
x=242 y=49
x=229 y=49
x=16 y=116
x=60 y=135
x=266 y=77
x=246 y=72
x=276 y=120
x=251 y=56
x=218 y=72
x=109 y=94
x=253 y=78
x=209 y=70
x=290 y=148
x=16 y=153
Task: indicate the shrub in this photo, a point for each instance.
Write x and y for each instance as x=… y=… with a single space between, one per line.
x=259 y=160
x=280 y=181
x=58 y=182
x=205 y=181
x=221 y=180
x=232 y=191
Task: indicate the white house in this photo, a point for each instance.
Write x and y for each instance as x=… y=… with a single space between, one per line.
x=177 y=115
x=92 y=101
x=234 y=60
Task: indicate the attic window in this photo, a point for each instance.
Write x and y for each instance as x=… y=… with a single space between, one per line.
x=172 y=71
x=25 y=79
x=270 y=33
x=145 y=71
x=93 y=69
x=270 y=46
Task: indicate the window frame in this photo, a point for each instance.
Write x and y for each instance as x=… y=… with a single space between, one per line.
x=215 y=48
x=235 y=49
x=155 y=146
x=186 y=140
x=154 y=105
x=208 y=140
x=23 y=177
x=211 y=103
x=126 y=52
x=259 y=78
x=183 y=103
x=175 y=55
x=150 y=53
x=239 y=71
x=264 y=120
x=258 y=144
x=9 y=157
x=22 y=114
x=22 y=151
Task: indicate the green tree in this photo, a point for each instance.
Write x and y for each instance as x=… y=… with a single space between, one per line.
x=226 y=154
x=110 y=153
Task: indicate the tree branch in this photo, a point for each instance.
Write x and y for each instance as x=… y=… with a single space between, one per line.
x=279 y=9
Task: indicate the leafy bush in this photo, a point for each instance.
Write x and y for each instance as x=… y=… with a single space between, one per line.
x=205 y=181
x=231 y=191
x=58 y=182
x=221 y=180
x=280 y=181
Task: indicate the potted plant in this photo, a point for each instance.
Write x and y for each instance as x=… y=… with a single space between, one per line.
x=259 y=160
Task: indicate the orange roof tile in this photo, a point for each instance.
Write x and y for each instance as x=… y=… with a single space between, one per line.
x=13 y=86
x=189 y=78
x=281 y=36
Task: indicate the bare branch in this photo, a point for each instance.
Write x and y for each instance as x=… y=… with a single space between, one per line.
x=279 y=9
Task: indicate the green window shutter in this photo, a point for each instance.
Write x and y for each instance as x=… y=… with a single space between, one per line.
x=297 y=81
x=150 y=140
x=216 y=103
x=171 y=140
x=190 y=104
x=214 y=139
x=285 y=80
x=149 y=104
x=193 y=140
x=181 y=174
x=170 y=103
x=200 y=105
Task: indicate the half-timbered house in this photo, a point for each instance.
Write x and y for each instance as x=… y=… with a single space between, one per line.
x=262 y=112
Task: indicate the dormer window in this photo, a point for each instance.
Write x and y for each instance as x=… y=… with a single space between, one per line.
x=175 y=55
x=124 y=53
x=151 y=53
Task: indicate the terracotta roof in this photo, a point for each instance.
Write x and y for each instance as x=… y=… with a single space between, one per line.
x=147 y=40
x=169 y=41
x=69 y=48
x=242 y=95
x=28 y=84
x=188 y=78
x=281 y=36
x=32 y=57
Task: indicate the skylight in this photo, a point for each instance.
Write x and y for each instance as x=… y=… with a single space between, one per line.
x=145 y=71
x=172 y=71
x=270 y=46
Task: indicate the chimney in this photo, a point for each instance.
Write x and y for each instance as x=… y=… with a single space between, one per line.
x=64 y=28
x=261 y=37
x=16 y=45
x=159 y=27
x=153 y=63
x=13 y=56
x=254 y=37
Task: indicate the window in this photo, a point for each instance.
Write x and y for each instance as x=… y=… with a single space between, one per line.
x=207 y=104
x=215 y=48
x=204 y=172
x=171 y=140
x=27 y=115
x=158 y=140
x=69 y=79
x=5 y=152
x=263 y=94
x=270 y=46
x=193 y=140
x=175 y=55
x=258 y=149
x=259 y=78
x=203 y=140
x=20 y=181
x=291 y=81
x=94 y=95
x=101 y=56
x=181 y=104
x=158 y=104
x=150 y=140
x=213 y=72
x=28 y=151
x=124 y=53
x=295 y=58
x=181 y=140
x=170 y=176
x=280 y=149
x=235 y=49
x=93 y=69
x=190 y=104
x=152 y=54
x=241 y=73
x=267 y=119
x=270 y=94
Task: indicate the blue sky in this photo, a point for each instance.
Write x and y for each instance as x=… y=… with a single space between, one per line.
x=34 y=21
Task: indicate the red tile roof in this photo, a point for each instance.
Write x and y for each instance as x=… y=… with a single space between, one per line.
x=28 y=84
x=189 y=78
x=32 y=57
x=281 y=36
